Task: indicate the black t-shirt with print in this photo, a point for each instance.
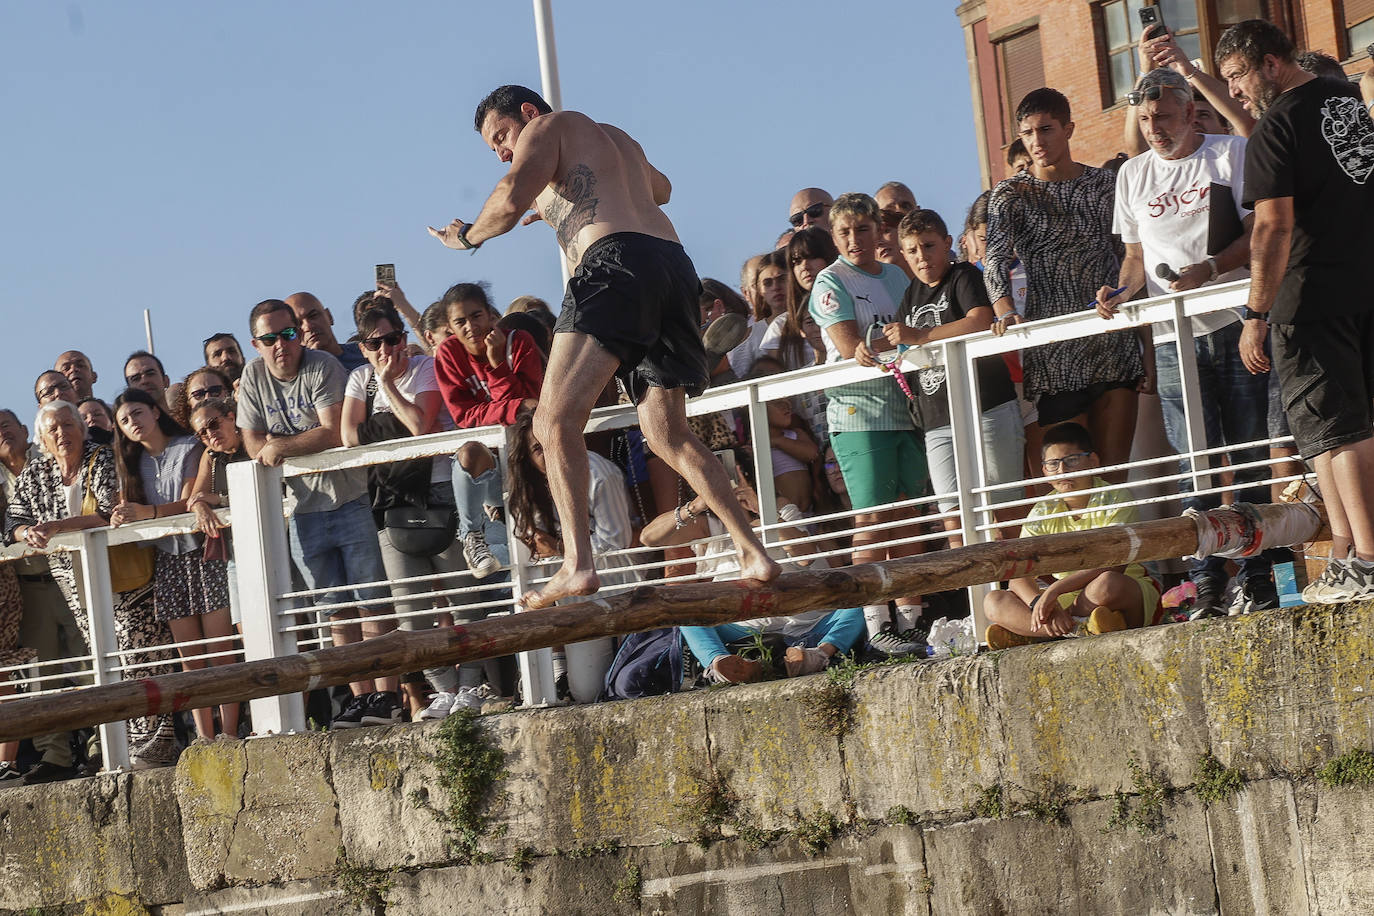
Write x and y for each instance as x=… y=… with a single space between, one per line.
x=961 y=291
x=1315 y=144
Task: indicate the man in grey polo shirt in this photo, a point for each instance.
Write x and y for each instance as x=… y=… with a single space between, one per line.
x=290 y=403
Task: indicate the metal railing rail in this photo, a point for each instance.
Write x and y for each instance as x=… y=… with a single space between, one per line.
x=275 y=624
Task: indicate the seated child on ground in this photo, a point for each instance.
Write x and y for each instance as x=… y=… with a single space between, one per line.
x=813 y=637
x=1092 y=601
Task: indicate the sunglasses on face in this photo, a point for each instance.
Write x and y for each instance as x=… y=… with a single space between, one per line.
x=812 y=212
x=391 y=340
x=209 y=391
x=211 y=426
x=268 y=340
x=1067 y=463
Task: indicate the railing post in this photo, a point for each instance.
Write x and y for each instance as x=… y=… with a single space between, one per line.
x=538 y=685
x=261 y=561
x=99 y=601
x=1194 y=423
x=966 y=425
x=763 y=465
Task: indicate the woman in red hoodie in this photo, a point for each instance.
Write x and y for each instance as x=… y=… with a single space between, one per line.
x=487 y=378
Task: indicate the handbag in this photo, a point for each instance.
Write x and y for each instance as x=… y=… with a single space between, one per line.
x=421 y=532
x=131 y=565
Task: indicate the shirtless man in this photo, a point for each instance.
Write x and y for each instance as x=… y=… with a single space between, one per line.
x=631 y=310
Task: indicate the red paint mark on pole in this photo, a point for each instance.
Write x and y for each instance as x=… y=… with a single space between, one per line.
x=153 y=695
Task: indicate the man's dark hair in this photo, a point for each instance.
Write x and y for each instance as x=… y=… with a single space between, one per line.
x=977 y=212
x=144 y=354
x=918 y=221
x=1253 y=40
x=1044 y=101
x=266 y=307
x=711 y=290
x=213 y=338
x=1016 y=150
x=1319 y=64
x=1073 y=434
x=109 y=412
x=506 y=102
x=467 y=292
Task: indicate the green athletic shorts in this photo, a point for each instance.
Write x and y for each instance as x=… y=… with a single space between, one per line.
x=881 y=466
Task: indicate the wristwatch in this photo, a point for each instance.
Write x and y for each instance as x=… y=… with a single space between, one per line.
x=463 y=237
x=1212 y=263
x=1251 y=315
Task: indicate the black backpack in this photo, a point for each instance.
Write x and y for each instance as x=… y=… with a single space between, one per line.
x=647 y=664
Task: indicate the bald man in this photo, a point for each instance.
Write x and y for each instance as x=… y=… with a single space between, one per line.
x=895 y=200
x=810 y=207
x=76 y=366
x=317 y=330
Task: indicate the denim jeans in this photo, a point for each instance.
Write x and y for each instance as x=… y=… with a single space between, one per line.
x=1235 y=409
x=338 y=548
x=473 y=495
x=841 y=629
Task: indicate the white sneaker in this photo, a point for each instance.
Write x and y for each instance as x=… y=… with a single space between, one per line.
x=1345 y=580
x=473 y=697
x=439 y=707
x=478 y=555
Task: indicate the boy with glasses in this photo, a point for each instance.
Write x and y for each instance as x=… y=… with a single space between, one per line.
x=1085 y=603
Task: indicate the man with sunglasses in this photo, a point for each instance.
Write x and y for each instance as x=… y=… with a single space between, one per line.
x=1171 y=203
x=810 y=207
x=895 y=201
x=291 y=403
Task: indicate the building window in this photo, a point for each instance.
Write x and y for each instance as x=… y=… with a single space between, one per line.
x=1121 y=31
x=1359 y=25
x=1023 y=70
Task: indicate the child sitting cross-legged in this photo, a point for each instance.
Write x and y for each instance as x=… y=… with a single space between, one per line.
x=1089 y=602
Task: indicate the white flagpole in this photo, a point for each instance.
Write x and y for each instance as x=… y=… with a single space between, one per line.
x=548 y=75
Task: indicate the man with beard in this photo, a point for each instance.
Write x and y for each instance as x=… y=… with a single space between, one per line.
x=1308 y=171
x=1167 y=201
x=222 y=352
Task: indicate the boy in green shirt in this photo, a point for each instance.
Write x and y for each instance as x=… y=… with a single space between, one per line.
x=1089 y=602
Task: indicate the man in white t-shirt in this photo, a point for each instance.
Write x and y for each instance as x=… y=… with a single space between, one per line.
x=1179 y=214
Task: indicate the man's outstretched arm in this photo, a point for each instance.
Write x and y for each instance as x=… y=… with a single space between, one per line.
x=532 y=168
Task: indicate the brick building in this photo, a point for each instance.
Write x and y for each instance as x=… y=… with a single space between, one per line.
x=1086 y=49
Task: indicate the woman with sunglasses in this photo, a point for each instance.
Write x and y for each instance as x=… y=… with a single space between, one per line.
x=156 y=462
x=203 y=384
x=394 y=382
x=213 y=423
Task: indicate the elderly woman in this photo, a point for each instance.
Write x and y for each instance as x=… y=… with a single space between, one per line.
x=71 y=487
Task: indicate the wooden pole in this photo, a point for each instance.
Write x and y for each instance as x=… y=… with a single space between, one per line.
x=642 y=608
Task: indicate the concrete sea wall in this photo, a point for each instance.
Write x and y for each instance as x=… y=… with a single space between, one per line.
x=1216 y=767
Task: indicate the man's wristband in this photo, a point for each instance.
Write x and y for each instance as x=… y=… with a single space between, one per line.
x=1216 y=270
x=1251 y=315
x=463 y=237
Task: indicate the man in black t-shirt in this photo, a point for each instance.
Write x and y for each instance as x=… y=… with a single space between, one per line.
x=948 y=300
x=1309 y=176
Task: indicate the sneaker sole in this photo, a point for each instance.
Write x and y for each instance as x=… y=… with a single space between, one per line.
x=378 y=720
x=335 y=725
x=486 y=569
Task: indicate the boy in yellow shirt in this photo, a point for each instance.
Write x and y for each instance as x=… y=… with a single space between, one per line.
x=1089 y=602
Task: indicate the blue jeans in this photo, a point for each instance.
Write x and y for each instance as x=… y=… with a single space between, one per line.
x=1235 y=408
x=841 y=629
x=338 y=548
x=473 y=495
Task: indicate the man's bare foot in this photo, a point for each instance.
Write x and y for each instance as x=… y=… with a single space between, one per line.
x=758 y=565
x=732 y=669
x=566 y=583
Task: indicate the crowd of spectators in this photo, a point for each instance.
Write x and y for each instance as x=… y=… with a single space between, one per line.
x=856 y=276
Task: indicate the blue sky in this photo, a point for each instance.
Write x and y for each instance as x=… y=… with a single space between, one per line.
x=195 y=159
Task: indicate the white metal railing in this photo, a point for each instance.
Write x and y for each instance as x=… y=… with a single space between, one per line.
x=274 y=623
